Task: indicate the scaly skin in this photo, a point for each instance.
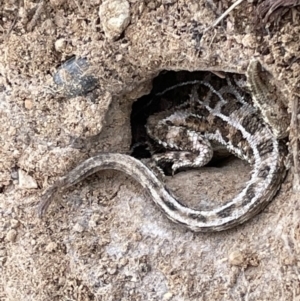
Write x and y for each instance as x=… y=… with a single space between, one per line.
x=231 y=122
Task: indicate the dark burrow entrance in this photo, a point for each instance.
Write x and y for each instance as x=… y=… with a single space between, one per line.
x=162 y=99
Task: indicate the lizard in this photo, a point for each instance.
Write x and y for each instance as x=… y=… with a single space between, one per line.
x=251 y=132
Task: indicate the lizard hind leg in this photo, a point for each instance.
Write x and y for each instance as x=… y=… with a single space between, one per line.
x=185 y=148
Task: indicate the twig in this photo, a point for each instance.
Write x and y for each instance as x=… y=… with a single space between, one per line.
x=232 y=7
x=294 y=140
x=36 y=16
x=13 y=23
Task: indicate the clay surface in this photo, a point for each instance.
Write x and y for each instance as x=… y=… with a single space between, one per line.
x=104 y=239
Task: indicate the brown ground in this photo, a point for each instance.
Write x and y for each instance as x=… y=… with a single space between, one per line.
x=105 y=239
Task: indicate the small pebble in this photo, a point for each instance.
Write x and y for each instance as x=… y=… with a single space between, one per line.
x=51 y=247
x=11 y=235
x=28 y=104
x=14 y=223
x=60 y=45
x=236 y=258
x=114 y=17
x=78 y=228
x=26 y=181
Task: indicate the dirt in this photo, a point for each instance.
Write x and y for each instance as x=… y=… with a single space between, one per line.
x=104 y=239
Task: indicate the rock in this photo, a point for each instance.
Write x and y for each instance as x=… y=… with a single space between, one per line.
x=60 y=45
x=74 y=77
x=11 y=235
x=236 y=258
x=51 y=247
x=114 y=17
x=26 y=181
x=28 y=104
